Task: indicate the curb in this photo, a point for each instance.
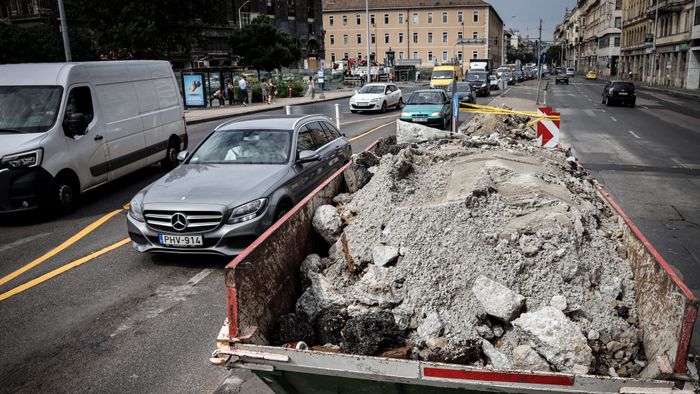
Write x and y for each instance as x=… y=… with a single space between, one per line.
x=688 y=95
x=259 y=110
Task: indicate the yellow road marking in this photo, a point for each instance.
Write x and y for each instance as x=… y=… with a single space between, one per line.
x=60 y=270
x=365 y=120
x=70 y=241
x=371 y=131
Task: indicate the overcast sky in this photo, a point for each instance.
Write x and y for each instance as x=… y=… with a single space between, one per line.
x=528 y=13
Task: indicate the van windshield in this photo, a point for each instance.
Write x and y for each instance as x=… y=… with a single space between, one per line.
x=28 y=109
x=443 y=74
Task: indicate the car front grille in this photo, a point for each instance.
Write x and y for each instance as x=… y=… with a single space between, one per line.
x=194 y=221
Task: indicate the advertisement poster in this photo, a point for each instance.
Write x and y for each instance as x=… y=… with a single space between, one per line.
x=193 y=86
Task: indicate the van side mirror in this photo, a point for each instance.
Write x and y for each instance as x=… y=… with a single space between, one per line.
x=182 y=156
x=306 y=156
x=75 y=124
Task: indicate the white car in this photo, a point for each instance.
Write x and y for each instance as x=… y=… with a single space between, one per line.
x=570 y=72
x=495 y=82
x=376 y=97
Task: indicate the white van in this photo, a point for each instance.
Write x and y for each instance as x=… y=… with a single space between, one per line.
x=69 y=127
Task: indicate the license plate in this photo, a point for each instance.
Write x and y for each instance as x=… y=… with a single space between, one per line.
x=420 y=120
x=180 y=240
x=623 y=93
x=362 y=104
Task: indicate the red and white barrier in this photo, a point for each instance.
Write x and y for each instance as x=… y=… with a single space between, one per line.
x=547 y=129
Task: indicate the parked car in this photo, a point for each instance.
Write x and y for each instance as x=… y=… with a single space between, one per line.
x=243 y=177
x=508 y=78
x=495 y=82
x=570 y=72
x=376 y=97
x=560 y=70
x=592 y=75
x=619 y=92
x=479 y=81
x=561 y=78
x=519 y=76
x=462 y=87
x=69 y=127
x=430 y=107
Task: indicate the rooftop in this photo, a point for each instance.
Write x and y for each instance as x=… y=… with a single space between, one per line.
x=347 y=5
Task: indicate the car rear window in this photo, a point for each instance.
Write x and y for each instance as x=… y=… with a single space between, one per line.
x=624 y=85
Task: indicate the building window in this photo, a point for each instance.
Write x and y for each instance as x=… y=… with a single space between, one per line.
x=475 y=35
x=359 y=38
x=371 y=19
x=332 y=38
x=245 y=18
x=460 y=17
x=386 y=38
x=444 y=17
x=372 y=39
x=459 y=35
x=400 y=19
x=345 y=39
x=332 y=57
x=459 y=55
x=430 y=56
x=618 y=22
x=359 y=55
x=618 y=4
x=617 y=41
x=400 y=38
x=346 y=55
x=444 y=56
x=415 y=18
x=358 y=20
x=444 y=36
x=386 y=19
x=401 y=55
x=430 y=38
x=345 y=20
x=476 y=16
x=475 y=54
x=415 y=38
x=291 y=7
x=415 y=55
x=310 y=9
x=430 y=17
x=330 y=20
x=271 y=7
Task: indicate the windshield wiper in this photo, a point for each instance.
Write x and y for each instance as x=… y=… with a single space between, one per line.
x=9 y=130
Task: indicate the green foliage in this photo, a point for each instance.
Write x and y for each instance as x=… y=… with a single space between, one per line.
x=144 y=29
x=262 y=47
x=41 y=43
x=554 y=54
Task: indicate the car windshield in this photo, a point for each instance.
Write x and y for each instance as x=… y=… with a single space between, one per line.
x=372 y=89
x=244 y=147
x=507 y=75
x=492 y=77
x=461 y=87
x=476 y=77
x=29 y=109
x=422 y=98
x=623 y=85
x=443 y=74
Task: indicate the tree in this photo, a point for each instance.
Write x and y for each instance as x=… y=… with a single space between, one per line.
x=262 y=47
x=554 y=54
x=41 y=43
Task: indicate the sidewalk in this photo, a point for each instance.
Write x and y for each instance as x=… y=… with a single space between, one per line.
x=194 y=116
x=677 y=92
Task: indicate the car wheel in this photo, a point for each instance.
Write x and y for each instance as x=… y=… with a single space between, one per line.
x=64 y=194
x=399 y=105
x=282 y=210
x=608 y=102
x=170 y=161
x=383 y=107
x=354 y=111
x=633 y=103
x=603 y=99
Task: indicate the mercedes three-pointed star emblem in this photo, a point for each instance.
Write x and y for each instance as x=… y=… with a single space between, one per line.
x=178 y=221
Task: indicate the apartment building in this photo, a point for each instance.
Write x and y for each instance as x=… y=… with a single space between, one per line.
x=416 y=31
x=693 y=81
x=656 y=41
x=569 y=35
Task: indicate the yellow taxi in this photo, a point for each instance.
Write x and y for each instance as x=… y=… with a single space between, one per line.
x=592 y=75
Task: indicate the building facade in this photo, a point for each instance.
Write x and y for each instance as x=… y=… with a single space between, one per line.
x=657 y=39
x=428 y=34
x=693 y=81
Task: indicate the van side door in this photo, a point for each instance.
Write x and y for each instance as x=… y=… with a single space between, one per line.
x=85 y=149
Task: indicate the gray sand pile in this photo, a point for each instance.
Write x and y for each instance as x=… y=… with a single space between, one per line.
x=483 y=125
x=486 y=251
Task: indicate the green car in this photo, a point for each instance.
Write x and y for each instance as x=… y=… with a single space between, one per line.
x=430 y=107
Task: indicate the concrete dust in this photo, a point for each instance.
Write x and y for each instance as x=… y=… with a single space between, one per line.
x=482 y=211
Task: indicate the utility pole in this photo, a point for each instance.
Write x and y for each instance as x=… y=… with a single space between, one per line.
x=369 y=64
x=652 y=66
x=539 y=65
x=64 y=30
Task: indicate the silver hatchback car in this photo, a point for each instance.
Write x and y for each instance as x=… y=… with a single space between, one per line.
x=242 y=178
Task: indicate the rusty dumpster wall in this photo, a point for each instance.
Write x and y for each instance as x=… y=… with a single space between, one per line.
x=666 y=307
x=263 y=282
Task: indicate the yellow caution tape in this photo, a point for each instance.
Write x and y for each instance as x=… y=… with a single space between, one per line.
x=485 y=109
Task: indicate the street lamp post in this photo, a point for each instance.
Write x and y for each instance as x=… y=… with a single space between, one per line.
x=652 y=66
x=376 y=44
x=64 y=30
x=240 y=21
x=461 y=65
x=369 y=64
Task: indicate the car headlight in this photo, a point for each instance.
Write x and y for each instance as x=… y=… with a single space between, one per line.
x=247 y=211
x=24 y=160
x=483 y=85
x=136 y=208
x=405 y=114
x=376 y=100
x=437 y=114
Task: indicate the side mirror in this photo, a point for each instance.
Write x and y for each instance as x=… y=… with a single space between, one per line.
x=182 y=156
x=76 y=124
x=306 y=156
x=355 y=91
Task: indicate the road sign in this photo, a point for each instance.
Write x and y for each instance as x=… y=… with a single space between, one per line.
x=547 y=129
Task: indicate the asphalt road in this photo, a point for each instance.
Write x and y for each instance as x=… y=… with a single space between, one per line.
x=647 y=159
x=82 y=311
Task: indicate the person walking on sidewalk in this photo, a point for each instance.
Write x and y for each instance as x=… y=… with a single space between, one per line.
x=310 y=91
x=272 y=91
x=243 y=90
x=265 y=91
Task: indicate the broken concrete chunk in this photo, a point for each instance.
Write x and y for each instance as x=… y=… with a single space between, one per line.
x=294 y=328
x=559 y=302
x=498 y=359
x=526 y=358
x=342 y=198
x=311 y=264
x=485 y=332
x=369 y=333
x=611 y=286
x=497 y=300
x=383 y=255
x=431 y=327
x=329 y=325
x=327 y=296
x=556 y=338
x=407 y=132
x=327 y=223
x=308 y=305
x=358 y=174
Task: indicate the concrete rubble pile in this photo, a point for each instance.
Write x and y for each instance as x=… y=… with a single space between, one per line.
x=481 y=250
x=511 y=126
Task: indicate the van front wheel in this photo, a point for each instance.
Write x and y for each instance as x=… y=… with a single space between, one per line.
x=64 y=194
x=170 y=160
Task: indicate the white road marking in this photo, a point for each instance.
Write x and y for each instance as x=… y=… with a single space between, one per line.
x=613 y=119
x=22 y=241
x=197 y=278
x=635 y=135
x=644 y=106
x=680 y=163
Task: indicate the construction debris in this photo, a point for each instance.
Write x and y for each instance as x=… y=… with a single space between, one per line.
x=327 y=223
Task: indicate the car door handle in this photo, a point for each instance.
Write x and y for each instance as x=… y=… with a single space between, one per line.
x=98 y=137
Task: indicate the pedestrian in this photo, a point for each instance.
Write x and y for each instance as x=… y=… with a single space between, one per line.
x=418 y=76
x=265 y=92
x=310 y=92
x=218 y=95
x=229 y=92
x=272 y=89
x=243 y=90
